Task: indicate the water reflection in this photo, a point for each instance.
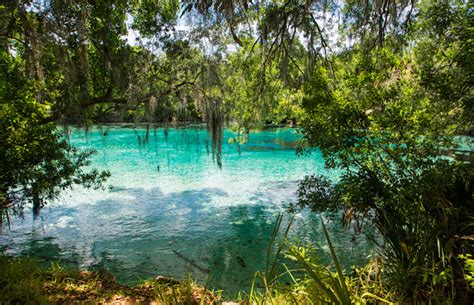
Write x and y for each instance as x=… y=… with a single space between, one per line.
x=170 y=209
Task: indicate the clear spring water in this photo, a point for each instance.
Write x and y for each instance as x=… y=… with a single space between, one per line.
x=168 y=208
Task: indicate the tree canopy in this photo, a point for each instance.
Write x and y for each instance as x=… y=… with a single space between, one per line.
x=382 y=88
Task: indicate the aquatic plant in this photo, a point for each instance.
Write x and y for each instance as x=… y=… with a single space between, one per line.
x=313 y=283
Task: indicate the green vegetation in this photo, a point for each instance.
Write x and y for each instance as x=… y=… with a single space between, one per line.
x=383 y=99
x=24 y=282
x=313 y=283
x=386 y=123
x=37 y=162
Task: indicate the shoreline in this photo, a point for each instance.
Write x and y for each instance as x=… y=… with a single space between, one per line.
x=24 y=281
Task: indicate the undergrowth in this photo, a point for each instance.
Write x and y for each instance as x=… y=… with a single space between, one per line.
x=22 y=281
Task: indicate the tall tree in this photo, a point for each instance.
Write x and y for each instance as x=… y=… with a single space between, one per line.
x=389 y=124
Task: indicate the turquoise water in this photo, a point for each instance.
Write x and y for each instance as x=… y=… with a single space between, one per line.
x=168 y=208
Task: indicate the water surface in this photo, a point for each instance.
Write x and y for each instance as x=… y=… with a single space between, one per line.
x=168 y=208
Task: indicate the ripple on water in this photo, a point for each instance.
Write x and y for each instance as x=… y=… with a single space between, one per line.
x=168 y=208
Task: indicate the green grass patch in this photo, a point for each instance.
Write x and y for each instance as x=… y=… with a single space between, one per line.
x=22 y=281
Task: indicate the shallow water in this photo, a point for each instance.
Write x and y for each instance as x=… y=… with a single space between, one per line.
x=168 y=208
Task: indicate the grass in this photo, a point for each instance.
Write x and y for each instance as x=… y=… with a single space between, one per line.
x=22 y=281
x=312 y=283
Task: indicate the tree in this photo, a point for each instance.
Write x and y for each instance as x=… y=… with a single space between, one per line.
x=36 y=160
x=389 y=124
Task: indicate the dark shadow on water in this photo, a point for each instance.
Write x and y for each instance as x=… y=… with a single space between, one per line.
x=147 y=232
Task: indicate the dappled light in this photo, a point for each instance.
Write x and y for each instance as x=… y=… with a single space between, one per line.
x=236 y=152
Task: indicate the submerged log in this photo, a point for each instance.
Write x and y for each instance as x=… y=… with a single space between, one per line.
x=191 y=262
x=241 y=261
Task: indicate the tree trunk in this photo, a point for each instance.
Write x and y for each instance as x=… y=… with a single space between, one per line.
x=36 y=200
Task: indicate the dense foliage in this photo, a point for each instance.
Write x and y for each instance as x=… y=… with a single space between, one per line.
x=382 y=88
x=389 y=120
x=36 y=160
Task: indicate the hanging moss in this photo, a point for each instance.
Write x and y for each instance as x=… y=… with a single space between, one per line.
x=215 y=128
